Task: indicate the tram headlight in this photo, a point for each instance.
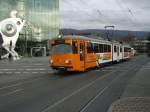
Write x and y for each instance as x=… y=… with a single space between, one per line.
x=67 y=61
x=51 y=61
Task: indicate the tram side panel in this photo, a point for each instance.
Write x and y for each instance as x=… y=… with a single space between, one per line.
x=104 y=53
x=107 y=54
x=126 y=53
x=97 y=54
x=115 y=53
x=121 y=53
x=90 y=55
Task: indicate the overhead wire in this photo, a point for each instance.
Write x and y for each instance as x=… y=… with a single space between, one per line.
x=129 y=11
x=103 y=18
x=125 y=9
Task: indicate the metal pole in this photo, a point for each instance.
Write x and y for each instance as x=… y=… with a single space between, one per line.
x=26 y=44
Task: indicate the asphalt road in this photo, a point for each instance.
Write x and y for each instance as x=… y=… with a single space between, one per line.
x=30 y=85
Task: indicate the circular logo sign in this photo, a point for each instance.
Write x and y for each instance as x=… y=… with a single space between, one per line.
x=9 y=29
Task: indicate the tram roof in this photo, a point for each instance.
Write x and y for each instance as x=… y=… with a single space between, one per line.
x=98 y=39
x=94 y=40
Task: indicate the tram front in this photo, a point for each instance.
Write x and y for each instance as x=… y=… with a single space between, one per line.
x=64 y=54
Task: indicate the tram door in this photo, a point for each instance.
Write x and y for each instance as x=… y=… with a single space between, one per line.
x=117 y=51
x=82 y=55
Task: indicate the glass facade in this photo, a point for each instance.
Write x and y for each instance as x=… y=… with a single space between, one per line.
x=41 y=21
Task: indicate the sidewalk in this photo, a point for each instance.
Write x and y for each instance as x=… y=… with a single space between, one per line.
x=136 y=97
x=140 y=85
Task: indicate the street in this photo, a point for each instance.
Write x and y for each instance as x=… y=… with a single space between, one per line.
x=30 y=85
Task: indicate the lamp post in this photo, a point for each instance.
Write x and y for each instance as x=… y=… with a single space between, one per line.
x=107 y=31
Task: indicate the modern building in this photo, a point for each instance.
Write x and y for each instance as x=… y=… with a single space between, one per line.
x=140 y=46
x=42 y=22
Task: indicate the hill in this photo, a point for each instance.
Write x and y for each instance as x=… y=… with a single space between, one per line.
x=117 y=34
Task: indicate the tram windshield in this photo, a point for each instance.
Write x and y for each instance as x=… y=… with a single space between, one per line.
x=61 y=49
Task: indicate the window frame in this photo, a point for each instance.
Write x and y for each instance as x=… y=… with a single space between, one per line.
x=101 y=48
x=96 y=48
x=115 y=48
x=74 y=47
x=90 y=48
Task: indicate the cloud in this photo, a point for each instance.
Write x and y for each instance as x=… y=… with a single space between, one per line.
x=95 y=14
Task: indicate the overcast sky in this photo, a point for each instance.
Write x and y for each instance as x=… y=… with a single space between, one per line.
x=95 y=14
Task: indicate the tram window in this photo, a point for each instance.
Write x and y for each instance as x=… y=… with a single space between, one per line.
x=81 y=52
x=81 y=46
x=129 y=49
x=125 y=49
x=101 y=48
x=89 y=47
x=74 y=47
x=109 y=48
x=105 y=48
x=120 y=49
x=115 y=49
x=61 y=49
x=96 y=48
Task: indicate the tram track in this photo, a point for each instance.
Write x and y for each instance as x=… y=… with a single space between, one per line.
x=101 y=92
x=69 y=91
x=60 y=102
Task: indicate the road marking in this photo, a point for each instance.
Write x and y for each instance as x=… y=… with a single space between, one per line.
x=17 y=72
x=34 y=72
x=145 y=68
x=5 y=87
x=42 y=69
x=13 y=92
x=42 y=72
x=25 y=72
x=9 y=72
x=146 y=65
x=36 y=69
x=38 y=64
x=32 y=66
x=23 y=82
x=7 y=69
x=75 y=92
x=113 y=70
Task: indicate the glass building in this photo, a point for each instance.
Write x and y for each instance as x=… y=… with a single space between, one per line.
x=41 y=21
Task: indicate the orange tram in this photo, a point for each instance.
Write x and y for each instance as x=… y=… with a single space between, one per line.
x=79 y=53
